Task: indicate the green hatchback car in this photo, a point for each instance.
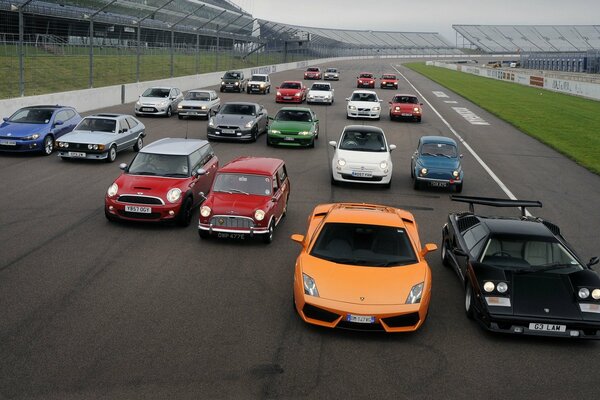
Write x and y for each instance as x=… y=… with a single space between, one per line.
x=293 y=126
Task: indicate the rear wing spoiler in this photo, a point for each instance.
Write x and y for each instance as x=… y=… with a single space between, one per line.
x=494 y=202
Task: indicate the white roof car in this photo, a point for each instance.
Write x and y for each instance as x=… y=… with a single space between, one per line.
x=363 y=104
x=320 y=92
x=199 y=103
x=362 y=155
x=259 y=83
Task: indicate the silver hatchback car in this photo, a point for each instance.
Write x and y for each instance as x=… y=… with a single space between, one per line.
x=159 y=101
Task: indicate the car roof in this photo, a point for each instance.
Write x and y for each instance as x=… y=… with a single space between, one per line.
x=295 y=109
x=364 y=72
x=108 y=115
x=162 y=87
x=515 y=226
x=370 y=214
x=201 y=91
x=174 y=146
x=260 y=74
x=291 y=82
x=252 y=165
x=437 y=139
x=46 y=107
x=363 y=128
x=245 y=103
x=389 y=74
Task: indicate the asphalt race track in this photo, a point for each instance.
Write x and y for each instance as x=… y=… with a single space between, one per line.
x=97 y=310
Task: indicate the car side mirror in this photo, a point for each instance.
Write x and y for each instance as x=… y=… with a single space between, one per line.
x=58 y=123
x=420 y=104
x=380 y=100
x=270 y=118
x=429 y=247
x=461 y=156
x=316 y=120
x=333 y=143
x=392 y=147
x=347 y=98
x=202 y=194
x=390 y=103
x=277 y=87
x=298 y=238
x=123 y=166
x=5 y=119
x=200 y=172
x=593 y=261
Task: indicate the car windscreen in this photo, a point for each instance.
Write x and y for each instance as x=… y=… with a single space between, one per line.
x=160 y=164
x=231 y=75
x=529 y=253
x=97 y=125
x=32 y=116
x=366 y=75
x=242 y=183
x=258 y=78
x=320 y=86
x=363 y=141
x=439 y=149
x=156 y=92
x=364 y=245
x=405 y=99
x=293 y=115
x=388 y=77
x=331 y=70
x=238 y=109
x=313 y=69
x=290 y=85
x=364 y=97
x=198 y=96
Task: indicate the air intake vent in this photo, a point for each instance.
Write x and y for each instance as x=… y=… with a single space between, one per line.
x=466 y=222
x=553 y=228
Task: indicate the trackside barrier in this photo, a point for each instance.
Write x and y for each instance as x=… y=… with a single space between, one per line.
x=573 y=84
x=97 y=98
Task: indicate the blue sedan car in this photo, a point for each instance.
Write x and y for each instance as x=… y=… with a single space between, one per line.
x=437 y=163
x=34 y=129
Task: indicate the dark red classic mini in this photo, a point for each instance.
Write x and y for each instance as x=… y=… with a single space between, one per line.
x=249 y=197
x=164 y=182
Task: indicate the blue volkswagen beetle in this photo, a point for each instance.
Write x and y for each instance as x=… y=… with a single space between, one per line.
x=437 y=163
x=36 y=128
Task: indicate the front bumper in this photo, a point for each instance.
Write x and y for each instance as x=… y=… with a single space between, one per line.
x=405 y=114
x=83 y=155
x=288 y=99
x=257 y=88
x=331 y=77
x=159 y=212
x=388 y=85
x=365 y=85
x=439 y=182
x=15 y=145
x=231 y=87
x=348 y=175
x=321 y=100
x=249 y=227
x=229 y=134
x=151 y=110
x=363 y=114
x=290 y=139
x=193 y=112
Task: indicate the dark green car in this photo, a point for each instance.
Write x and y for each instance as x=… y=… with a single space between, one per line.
x=293 y=126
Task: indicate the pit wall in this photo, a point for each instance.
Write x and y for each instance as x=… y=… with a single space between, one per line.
x=583 y=85
x=96 y=98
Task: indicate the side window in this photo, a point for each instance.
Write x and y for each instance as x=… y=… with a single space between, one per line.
x=282 y=174
x=474 y=238
x=132 y=122
x=196 y=160
x=70 y=114
x=275 y=183
x=61 y=116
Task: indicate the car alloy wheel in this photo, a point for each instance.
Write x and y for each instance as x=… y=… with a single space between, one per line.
x=139 y=144
x=112 y=154
x=169 y=112
x=48 y=145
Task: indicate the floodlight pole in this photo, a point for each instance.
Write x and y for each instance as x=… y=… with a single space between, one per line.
x=22 y=49
x=173 y=35
x=139 y=37
x=91 y=18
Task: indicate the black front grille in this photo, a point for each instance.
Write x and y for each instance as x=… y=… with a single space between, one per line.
x=362 y=178
x=139 y=200
x=317 y=313
x=128 y=214
x=229 y=221
x=402 y=320
x=190 y=108
x=232 y=127
x=355 y=326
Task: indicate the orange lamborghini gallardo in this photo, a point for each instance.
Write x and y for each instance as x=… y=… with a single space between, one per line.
x=362 y=267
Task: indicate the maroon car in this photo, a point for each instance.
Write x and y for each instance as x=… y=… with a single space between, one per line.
x=388 y=81
x=291 y=92
x=249 y=197
x=164 y=182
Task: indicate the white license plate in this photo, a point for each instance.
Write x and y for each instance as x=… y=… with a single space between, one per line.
x=439 y=184
x=287 y=97
x=547 y=327
x=406 y=114
x=76 y=154
x=362 y=174
x=8 y=142
x=138 y=209
x=226 y=235
x=229 y=131
x=147 y=109
x=288 y=139
x=361 y=319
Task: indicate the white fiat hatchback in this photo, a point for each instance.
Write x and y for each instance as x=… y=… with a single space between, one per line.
x=362 y=155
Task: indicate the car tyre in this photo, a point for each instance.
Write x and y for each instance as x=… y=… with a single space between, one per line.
x=109 y=216
x=458 y=188
x=444 y=252
x=469 y=310
x=418 y=119
x=169 y=112
x=48 y=146
x=416 y=184
x=333 y=181
x=179 y=116
x=268 y=237
x=185 y=214
x=203 y=234
x=138 y=144
x=112 y=154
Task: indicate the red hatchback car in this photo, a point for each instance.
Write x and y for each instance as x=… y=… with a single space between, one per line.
x=406 y=106
x=164 y=182
x=291 y=92
x=388 y=81
x=312 y=73
x=249 y=197
x=365 y=79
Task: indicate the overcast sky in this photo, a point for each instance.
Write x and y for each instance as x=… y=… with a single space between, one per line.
x=423 y=15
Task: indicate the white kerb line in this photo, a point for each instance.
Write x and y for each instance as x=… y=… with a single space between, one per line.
x=464 y=143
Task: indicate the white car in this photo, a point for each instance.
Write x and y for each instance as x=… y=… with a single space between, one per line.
x=363 y=104
x=259 y=83
x=159 y=101
x=362 y=155
x=331 y=74
x=199 y=103
x=320 y=92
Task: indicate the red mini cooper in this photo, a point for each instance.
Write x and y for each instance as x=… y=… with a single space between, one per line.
x=249 y=197
x=388 y=81
x=164 y=182
x=291 y=92
x=406 y=106
x=365 y=79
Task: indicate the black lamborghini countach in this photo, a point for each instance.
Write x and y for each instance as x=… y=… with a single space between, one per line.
x=520 y=275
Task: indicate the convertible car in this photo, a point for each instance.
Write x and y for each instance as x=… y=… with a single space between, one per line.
x=520 y=275
x=362 y=267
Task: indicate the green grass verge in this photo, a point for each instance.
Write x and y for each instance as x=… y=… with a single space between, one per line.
x=569 y=124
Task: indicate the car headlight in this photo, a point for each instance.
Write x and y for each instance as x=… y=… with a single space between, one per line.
x=205 y=211
x=63 y=144
x=93 y=146
x=222 y=83
x=236 y=83
x=112 y=190
x=304 y=133
x=423 y=171
x=341 y=162
x=396 y=108
x=416 y=109
x=502 y=287
x=138 y=104
x=415 y=294
x=179 y=106
x=310 y=287
x=298 y=94
x=584 y=293
x=376 y=109
x=489 y=286
x=164 y=103
x=249 y=124
x=274 y=131
x=211 y=122
x=174 y=195
x=596 y=294
x=259 y=215
x=310 y=96
x=455 y=174
x=383 y=165
x=262 y=85
x=279 y=94
x=32 y=137
x=351 y=107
